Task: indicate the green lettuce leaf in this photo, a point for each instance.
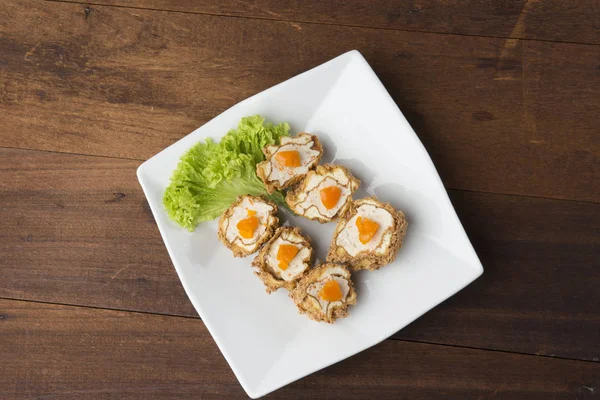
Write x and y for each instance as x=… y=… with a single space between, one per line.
x=210 y=176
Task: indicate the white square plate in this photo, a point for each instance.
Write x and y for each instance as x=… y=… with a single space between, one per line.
x=263 y=338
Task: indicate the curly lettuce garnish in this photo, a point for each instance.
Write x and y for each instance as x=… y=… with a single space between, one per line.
x=210 y=176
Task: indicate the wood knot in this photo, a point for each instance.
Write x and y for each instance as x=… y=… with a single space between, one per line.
x=118 y=196
x=483 y=116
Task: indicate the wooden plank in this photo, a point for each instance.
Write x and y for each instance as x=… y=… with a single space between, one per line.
x=538 y=293
x=127 y=82
x=561 y=20
x=77 y=230
x=53 y=351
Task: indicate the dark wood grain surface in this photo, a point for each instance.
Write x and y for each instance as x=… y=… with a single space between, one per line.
x=504 y=95
x=79 y=231
x=115 y=354
x=557 y=20
x=127 y=82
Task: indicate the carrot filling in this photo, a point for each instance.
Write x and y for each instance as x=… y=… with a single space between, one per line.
x=366 y=229
x=248 y=226
x=330 y=196
x=331 y=291
x=285 y=254
x=288 y=158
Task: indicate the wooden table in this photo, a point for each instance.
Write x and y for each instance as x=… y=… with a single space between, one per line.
x=504 y=95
